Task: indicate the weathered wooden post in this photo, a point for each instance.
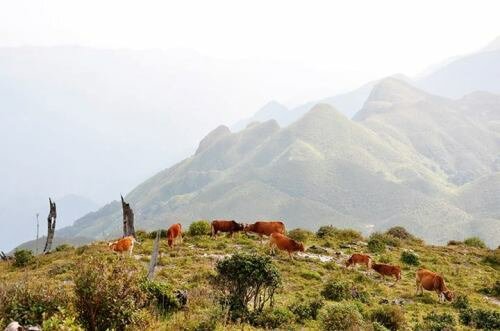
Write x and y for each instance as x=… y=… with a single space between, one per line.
x=154 y=256
x=51 y=226
x=128 y=219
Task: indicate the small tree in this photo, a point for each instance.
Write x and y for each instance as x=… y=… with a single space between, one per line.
x=199 y=228
x=474 y=242
x=22 y=257
x=410 y=258
x=108 y=293
x=247 y=284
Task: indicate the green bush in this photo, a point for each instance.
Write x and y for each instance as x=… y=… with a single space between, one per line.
x=474 y=242
x=480 y=318
x=387 y=239
x=493 y=291
x=493 y=259
x=379 y=327
x=108 y=293
x=399 y=232
x=342 y=316
x=152 y=234
x=30 y=301
x=162 y=295
x=306 y=310
x=141 y=235
x=376 y=245
x=410 y=258
x=328 y=231
x=439 y=322
x=64 y=248
x=391 y=317
x=271 y=318
x=200 y=228
x=22 y=257
x=61 y=322
x=336 y=291
x=300 y=235
x=242 y=279
x=461 y=302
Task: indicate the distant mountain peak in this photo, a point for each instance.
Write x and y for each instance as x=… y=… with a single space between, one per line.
x=387 y=93
x=212 y=137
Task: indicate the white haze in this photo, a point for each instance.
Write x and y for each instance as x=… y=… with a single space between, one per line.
x=71 y=122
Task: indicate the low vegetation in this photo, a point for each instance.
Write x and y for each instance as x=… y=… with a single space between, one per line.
x=233 y=283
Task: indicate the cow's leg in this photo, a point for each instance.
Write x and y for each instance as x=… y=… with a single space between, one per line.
x=290 y=255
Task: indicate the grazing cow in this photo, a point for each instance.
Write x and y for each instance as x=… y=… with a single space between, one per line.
x=174 y=232
x=123 y=245
x=285 y=244
x=359 y=259
x=431 y=281
x=388 y=270
x=225 y=226
x=265 y=228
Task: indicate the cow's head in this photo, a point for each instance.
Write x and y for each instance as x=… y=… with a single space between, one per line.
x=449 y=295
x=247 y=227
x=239 y=226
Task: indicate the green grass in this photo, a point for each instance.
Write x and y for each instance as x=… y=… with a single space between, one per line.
x=189 y=266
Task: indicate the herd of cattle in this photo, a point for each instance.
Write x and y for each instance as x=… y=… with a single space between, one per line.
x=275 y=230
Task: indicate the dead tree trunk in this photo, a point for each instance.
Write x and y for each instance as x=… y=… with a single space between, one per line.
x=128 y=219
x=154 y=256
x=51 y=226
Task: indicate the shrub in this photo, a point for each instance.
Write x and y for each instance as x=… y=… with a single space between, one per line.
x=64 y=248
x=493 y=258
x=391 y=317
x=342 y=316
x=141 y=235
x=200 y=228
x=305 y=310
x=376 y=245
x=271 y=318
x=455 y=243
x=386 y=239
x=379 y=327
x=439 y=322
x=61 y=322
x=152 y=234
x=493 y=291
x=327 y=231
x=29 y=301
x=480 y=318
x=108 y=293
x=80 y=250
x=461 y=302
x=300 y=235
x=336 y=291
x=474 y=242
x=242 y=279
x=410 y=258
x=22 y=257
x=399 y=232
x=162 y=295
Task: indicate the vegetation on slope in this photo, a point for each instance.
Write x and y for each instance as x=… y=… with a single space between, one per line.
x=72 y=288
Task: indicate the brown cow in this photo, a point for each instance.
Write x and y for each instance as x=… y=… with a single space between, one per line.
x=388 y=270
x=431 y=281
x=285 y=244
x=174 y=232
x=359 y=259
x=265 y=228
x=225 y=226
x=123 y=245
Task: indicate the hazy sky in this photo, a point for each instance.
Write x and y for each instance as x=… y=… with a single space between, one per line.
x=373 y=38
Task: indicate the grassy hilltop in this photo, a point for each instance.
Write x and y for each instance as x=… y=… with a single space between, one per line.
x=51 y=287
